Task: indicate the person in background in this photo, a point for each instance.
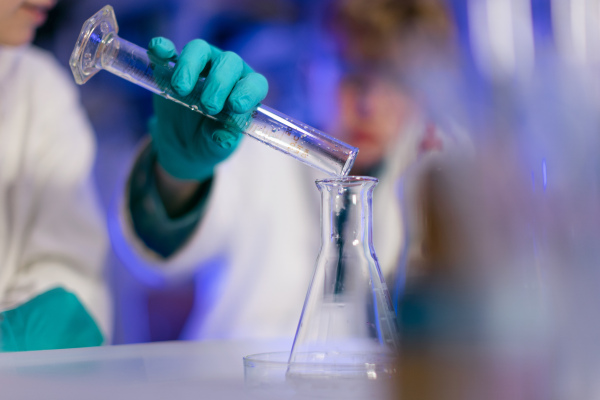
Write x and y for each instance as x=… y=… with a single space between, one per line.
x=52 y=235
x=246 y=217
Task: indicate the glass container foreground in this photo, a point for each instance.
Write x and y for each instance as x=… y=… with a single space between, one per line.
x=348 y=318
x=98 y=47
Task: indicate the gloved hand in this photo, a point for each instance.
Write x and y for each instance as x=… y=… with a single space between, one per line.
x=189 y=145
x=53 y=320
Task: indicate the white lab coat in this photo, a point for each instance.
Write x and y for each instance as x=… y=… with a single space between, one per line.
x=51 y=230
x=256 y=246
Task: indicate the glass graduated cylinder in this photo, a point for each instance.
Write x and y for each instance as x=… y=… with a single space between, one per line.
x=98 y=47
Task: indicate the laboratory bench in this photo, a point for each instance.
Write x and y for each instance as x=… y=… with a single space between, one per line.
x=161 y=370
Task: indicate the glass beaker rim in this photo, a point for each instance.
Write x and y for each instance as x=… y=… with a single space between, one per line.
x=347 y=180
x=370 y=361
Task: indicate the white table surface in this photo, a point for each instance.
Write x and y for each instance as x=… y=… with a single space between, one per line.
x=210 y=370
x=165 y=370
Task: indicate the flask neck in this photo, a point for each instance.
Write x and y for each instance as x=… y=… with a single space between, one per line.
x=346 y=211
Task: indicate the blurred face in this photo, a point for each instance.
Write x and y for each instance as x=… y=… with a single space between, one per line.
x=372 y=112
x=20 y=18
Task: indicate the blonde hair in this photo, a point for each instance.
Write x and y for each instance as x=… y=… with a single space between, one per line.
x=376 y=30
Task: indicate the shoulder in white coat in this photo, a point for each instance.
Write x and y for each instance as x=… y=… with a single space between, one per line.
x=51 y=231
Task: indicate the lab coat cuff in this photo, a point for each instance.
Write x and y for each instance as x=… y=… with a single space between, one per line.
x=161 y=233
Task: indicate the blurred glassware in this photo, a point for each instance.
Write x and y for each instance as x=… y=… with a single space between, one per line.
x=525 y=208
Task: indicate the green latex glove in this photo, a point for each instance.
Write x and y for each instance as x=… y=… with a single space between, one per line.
x=188 y=144
x=53 y=320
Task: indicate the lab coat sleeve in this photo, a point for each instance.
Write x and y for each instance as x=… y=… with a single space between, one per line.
x=160 y=232
x=209 y=237
x=58 y=234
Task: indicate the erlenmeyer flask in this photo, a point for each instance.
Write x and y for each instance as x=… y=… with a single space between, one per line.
x=348 y=319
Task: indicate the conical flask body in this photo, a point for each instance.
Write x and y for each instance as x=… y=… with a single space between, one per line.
x=348 y=316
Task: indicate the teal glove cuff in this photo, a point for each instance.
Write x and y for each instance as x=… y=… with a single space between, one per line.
x=55 y=319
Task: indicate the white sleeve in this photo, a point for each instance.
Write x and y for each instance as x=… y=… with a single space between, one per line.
x=202 y=243
x=211 y=238
x=58 y=235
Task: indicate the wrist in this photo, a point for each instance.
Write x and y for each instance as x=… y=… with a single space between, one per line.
x=178 y=196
